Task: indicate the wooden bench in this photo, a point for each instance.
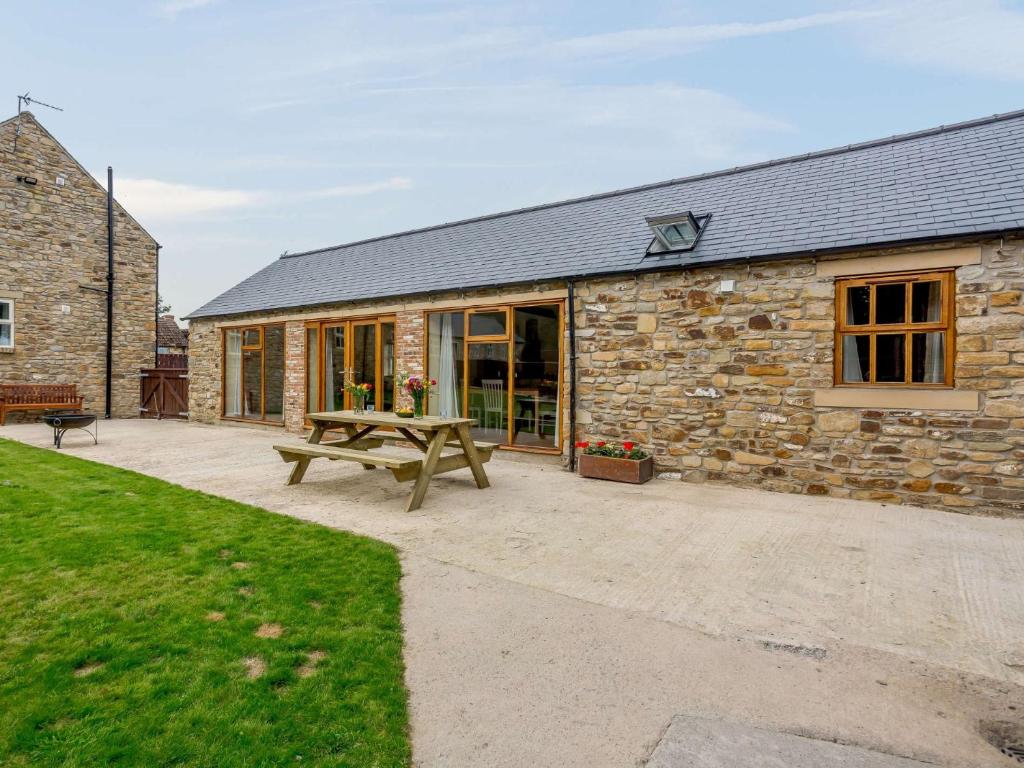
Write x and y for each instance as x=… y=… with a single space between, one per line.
x=403 y=469
x=484 y=449
x=38 y=397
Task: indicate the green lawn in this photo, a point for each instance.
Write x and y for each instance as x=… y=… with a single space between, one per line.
x=130 y=615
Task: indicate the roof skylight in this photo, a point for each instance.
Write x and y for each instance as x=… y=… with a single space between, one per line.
x=675 y=232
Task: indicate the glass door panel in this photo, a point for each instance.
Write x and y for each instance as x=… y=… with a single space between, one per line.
x=536 y=344
x=312 y=370
x=364 y=357
x=487 y=384
x=386 y=400
x=334 y=367
x=446 y=363
x=252 y=395
x=273 y=373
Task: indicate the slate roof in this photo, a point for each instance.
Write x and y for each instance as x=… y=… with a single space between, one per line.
x=169 y=333
x=951 y=181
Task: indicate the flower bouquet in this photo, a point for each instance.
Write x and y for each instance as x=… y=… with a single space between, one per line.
x=418 y=387
x=359 y=393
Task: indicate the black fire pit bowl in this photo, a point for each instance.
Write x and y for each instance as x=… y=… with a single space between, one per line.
x=63 y=421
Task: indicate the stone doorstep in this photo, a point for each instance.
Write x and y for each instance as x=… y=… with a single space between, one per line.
x=696 y=742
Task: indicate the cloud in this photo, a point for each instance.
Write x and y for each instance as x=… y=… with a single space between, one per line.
x=358 y=190
x=665 y=41
x=152 y=199
x=172 y=8
x=973 y=37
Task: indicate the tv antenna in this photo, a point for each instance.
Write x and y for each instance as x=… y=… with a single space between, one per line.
x=25 y=101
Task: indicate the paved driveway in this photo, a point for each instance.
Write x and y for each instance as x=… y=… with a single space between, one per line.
x=556 y=621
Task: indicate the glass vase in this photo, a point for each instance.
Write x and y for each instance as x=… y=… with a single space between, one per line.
x=358 y=404
x=417 y=405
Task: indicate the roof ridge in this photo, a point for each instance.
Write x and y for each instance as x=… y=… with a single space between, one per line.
x=893 y=139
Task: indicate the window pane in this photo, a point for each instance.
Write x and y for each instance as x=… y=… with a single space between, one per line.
x=890 y=303
x=856 y=359
x=233 y=373
x=334 y=368
x=536 y=343
x=488 y=391
x=364 y=359
x=387 y=366
x=312 y=370
x=928 y=358
x=5 y=310
x=273 y=356
x=926 y=302
x=445 y=362
x=251 y=337
x=251 y=398
x=487 y=324
x=889 y=358
x=858 y=305
x=5 y=334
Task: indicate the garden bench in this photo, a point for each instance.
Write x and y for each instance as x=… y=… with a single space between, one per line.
x=403 y=469
x=38 y=397
x=484 y=449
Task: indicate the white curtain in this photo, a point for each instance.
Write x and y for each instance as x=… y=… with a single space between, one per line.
x=447 y=382
x=934 y=358
x=851 y=360
x=233 y=374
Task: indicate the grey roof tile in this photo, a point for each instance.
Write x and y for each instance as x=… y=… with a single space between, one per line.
x=953 y=180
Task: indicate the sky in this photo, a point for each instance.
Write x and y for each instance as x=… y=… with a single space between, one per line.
x=241 y=130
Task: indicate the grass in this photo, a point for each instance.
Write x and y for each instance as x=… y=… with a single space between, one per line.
x=113 y=650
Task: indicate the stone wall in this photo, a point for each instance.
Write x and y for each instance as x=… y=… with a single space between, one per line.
x=53 y=241
x=721 y=386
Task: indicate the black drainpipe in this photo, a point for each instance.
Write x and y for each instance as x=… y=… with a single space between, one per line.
x=110 y=289
x=156 y=313
x=572 y=374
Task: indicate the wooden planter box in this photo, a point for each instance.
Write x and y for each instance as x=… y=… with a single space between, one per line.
x=620 y=470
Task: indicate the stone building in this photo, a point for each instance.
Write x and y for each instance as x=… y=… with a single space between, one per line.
x=53 y=275
x=847 y=323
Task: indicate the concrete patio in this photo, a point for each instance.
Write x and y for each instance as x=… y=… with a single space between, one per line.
x=557 y=621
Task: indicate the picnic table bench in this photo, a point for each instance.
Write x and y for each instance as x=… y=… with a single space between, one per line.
x=38 y=397
x=435 y=434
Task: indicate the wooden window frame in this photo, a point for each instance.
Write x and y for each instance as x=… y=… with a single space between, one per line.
x=261 y=348
x=348 y=324
x=497 y=310
x=946 y=324
x=509 y=339
x=9 y=322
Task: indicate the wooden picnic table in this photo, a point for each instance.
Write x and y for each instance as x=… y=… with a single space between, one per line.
x=430 y=434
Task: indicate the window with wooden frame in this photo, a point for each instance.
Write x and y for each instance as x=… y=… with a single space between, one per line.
x=254 y=373
x=7 y=324
x=895 y=330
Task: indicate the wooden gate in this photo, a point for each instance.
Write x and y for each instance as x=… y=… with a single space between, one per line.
x=163 y=393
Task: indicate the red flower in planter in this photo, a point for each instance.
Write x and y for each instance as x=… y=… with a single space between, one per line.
x=628 y=446
x=601 y=443
x=582 y=444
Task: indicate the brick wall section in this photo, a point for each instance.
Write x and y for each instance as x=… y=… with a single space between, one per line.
x=53 y=240
x=720 y=387
x=409 y=340
x=295 y=375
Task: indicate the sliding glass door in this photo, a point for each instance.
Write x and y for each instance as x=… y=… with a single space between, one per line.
x=502 y=367
x=350 y=351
